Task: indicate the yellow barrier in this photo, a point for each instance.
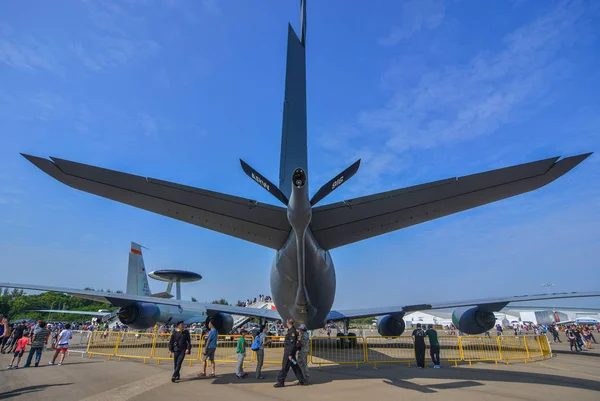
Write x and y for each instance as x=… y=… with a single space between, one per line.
x=450 y=349
x=476 y=349
x=342 y=350
x=135 y=345
x=389 y=350
x=327 y=350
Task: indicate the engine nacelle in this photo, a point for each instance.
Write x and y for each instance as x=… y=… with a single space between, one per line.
x=473 y=320
x=223 y=322
x=139 y=315
x=391 y=326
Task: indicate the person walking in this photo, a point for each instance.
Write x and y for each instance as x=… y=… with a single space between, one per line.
x=241 y=353
x=210 y=346
x=39 y=339
x=289 y=356
x=180 y=345
x=434 y=346
x=62 y=344
x=22 y=343
x=419 y=339
x=303 y=351
x=258 y=346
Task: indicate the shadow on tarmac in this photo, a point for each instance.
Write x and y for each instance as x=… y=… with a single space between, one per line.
x=567 y=352
x=402 y=377
x=29 y=389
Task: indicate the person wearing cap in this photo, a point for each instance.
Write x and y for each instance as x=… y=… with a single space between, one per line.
x=419 y=338
x=290 y=347
x=303 y=351
x=180 y=344
x=241 y=353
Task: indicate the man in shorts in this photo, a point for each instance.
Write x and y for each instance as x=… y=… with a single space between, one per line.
x=210 y=347
x=62 y=344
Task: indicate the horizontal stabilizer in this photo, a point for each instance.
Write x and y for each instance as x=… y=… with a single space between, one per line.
x=238 y=217
x=357 y=219
x=163 y=294
x=263 y=182
x=336 y=182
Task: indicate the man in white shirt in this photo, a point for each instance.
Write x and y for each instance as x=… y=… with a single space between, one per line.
x=62 y=344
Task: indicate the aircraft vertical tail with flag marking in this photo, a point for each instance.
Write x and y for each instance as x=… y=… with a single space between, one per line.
x=137 y=279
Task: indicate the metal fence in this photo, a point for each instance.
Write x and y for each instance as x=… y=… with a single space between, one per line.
x=350 y=350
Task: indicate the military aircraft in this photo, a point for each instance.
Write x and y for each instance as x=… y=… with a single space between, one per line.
x=145 y=315
x=303 y=278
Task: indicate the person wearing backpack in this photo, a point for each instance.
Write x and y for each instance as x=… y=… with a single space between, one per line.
x=258 y=346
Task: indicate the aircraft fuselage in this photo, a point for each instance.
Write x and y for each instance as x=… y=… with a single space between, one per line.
x=302 y=276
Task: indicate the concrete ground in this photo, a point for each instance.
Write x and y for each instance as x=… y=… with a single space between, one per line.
x=566 y=376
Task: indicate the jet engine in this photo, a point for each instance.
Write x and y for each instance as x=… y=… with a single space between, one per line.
x=473 y=320
x=223 y=322
x=391 y=326
x=139 y=315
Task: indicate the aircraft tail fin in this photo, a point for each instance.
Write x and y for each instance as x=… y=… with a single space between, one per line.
x=335 y=182
x=137 y=279
x=263 y=182
x=293 y=135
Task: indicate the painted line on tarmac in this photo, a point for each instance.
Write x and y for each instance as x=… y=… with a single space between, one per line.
x=132 y=389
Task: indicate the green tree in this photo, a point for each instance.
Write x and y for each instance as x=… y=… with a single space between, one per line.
x=221 y=301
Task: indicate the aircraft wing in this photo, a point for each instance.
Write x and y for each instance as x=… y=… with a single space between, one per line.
x=357 y=219
x=238 y=310
x=243 y=218
x=122 y=300
x=71 y=312
x=489 y=304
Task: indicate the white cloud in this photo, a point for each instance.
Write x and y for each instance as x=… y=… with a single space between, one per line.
x=212 y=6
x=417 y=15
x=25 y=53
x=460 y=102
x=109 y=52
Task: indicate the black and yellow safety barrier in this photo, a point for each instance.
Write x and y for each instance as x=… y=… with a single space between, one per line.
x=350 y=350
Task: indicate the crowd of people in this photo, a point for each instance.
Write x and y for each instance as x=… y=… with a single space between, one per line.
x=249 y=302
x=35 y=337
x=15 y=338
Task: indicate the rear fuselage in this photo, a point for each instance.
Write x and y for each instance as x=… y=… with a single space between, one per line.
x=302 y=277
x=320 y=281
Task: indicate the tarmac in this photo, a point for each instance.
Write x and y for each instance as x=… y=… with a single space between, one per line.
x=566 y=376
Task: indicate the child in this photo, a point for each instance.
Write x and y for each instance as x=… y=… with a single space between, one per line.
x=20 y=350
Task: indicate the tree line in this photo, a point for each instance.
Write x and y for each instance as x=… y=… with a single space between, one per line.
x=18 y=305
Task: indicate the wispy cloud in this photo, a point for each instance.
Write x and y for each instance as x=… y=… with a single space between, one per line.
x=25 y=52
x=461 y=102
x=150 y=126
x=417 y=15
x=212 y=6
x=112 y=52
x=118 y=36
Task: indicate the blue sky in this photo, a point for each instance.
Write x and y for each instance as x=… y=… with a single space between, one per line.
x=420 y=90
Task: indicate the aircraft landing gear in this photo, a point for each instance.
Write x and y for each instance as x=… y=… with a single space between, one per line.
x=346 y=339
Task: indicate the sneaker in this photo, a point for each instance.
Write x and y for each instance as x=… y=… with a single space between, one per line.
x=51 y=362
x=36 y=364
x=173 y=379
x=279 y=384
x=60 y=364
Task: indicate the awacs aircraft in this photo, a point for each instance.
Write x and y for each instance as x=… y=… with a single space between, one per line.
x=140 y=314
x=302 y=275
x=137 y=284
